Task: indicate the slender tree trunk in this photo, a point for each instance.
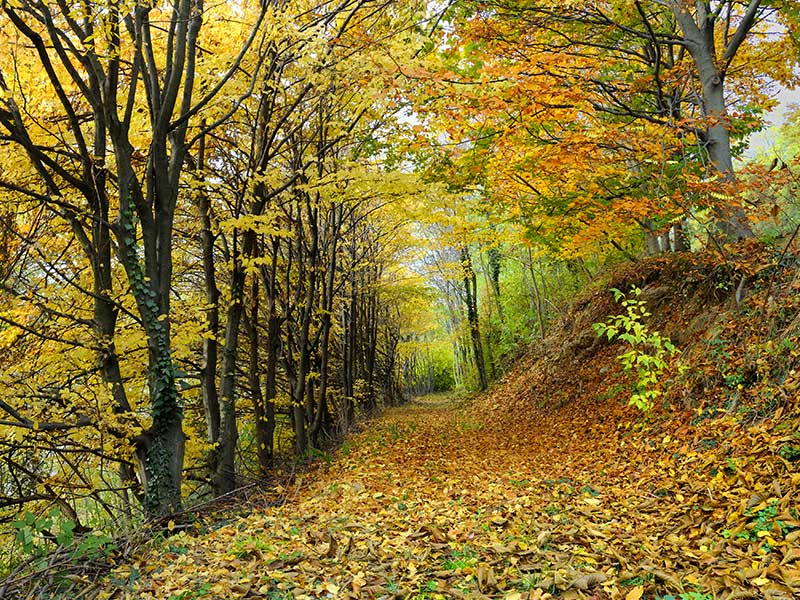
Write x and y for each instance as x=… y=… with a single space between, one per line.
x=269 y=274
x=471 y=302
x=350 y=323
x=262 y=426
x=682 y=243
x=372 y=358
x=537 y=294
x=328 y=292
x=271 y=379
x=495 y=260
x=664 y=242
x=225 y=476
x=308 y=272
x=490 y=329
x=651 y=244
x=210 y=343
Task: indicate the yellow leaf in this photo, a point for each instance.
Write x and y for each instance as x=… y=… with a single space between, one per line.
x=760 y=581
x=635 y=593
x=332 y=588
x=592 y=501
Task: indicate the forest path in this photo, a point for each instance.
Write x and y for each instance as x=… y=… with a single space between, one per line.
x=420 y=504
x=433 y=501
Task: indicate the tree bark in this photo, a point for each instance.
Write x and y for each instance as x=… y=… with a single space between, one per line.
x=471 y=302
x=700 y=40
x=537 y=294
x=210 y=343
x=225 y=472
x=264 y=425
x=682 y=243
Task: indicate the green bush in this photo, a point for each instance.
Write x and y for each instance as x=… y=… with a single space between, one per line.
x=648 y=351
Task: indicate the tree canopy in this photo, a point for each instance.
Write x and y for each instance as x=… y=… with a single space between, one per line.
x=228 y=230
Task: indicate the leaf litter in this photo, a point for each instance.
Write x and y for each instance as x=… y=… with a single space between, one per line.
x=546 y=487
x=436 y=501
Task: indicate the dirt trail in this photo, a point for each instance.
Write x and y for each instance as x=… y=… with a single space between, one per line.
x=434 y=500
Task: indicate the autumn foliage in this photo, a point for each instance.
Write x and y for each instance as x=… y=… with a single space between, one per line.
x=233 y=233
x=548 y=486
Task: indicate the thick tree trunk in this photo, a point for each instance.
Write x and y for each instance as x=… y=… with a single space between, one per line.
x=732 y=223
x=163 y=444
x=160 y=448
x=699 y=36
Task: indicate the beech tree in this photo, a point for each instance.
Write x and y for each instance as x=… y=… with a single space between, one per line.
x=111 y=72
x=655 y=34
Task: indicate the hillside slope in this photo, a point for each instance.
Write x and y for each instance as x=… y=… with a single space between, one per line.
x=703 y=495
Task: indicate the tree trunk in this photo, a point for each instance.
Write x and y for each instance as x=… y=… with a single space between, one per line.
x=225 y=472
x=210 y=343
x=328 y=293
x=262 y=426
x=270 y=379
x=307 y=272
x=682 y=243
x=537 y=294
x=664 y=242
x=699 y=36
x=162 y=446
x=274 y=321
x=652 y=247
x=471 y=302
x=732 y=222
x=495 y=260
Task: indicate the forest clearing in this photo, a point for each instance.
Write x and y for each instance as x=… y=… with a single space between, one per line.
x=399 y=299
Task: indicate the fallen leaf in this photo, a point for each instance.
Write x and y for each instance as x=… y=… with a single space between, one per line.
x=635 y=593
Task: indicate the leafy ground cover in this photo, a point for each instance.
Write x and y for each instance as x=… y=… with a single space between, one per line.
x=434 y=500
x=549 y=485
